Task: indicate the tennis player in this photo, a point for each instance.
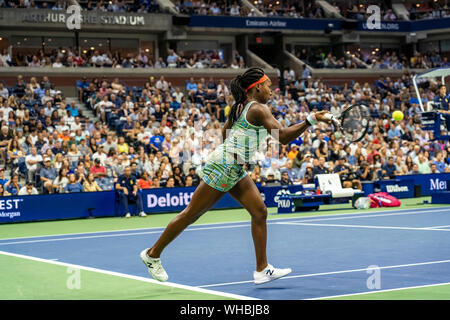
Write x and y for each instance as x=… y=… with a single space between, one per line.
x=249 y=122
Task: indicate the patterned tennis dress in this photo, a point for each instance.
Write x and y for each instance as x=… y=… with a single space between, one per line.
x=224 y=167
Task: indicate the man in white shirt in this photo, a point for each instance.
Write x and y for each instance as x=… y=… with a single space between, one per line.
x=48 y=109
x=178 y=95
x=234 y=10
x=162 y=84
x=76 y=125
x=32 y=162
x=28 y=190
x=100 y=154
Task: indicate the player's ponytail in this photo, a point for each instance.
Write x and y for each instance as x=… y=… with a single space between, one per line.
x=238 y=88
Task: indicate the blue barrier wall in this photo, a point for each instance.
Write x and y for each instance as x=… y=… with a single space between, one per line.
x=100 y=204
x=56 y=206
x=429 y=183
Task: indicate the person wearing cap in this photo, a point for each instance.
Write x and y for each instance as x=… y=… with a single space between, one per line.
x=100 y=154
x=128 y=191
x=98 y=170
x=28 y=189
x=195 y=177
x=48 y=174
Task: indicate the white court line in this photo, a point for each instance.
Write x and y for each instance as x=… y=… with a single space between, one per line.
x=378 y=215
x=332 y=216
x=385 y=290
x=357 y=226
x=116 y=235
x=128 y=276
x=436 y=227
x=329 y=273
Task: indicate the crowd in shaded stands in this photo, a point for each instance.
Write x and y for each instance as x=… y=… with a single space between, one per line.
x=390 y=59
x=68 y=57
x=318 y=58
x=164 y=134
x=375 y=59
x=140 y=6
x=428 y=9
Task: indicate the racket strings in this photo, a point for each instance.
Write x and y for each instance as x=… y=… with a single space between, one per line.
x=355 y=122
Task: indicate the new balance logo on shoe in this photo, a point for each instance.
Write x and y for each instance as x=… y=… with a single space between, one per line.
x=270 y=272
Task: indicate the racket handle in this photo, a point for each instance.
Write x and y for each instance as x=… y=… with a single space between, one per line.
x=330 y=116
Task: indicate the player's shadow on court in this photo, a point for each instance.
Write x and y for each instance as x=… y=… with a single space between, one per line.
x=274 y=286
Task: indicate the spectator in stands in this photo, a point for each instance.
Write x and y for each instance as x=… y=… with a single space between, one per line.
x=128 y=191
x=422 y=163
x=3 y=180
x=28 y=189
x=3 y=192
x=90 y=185
x=439 y=163
x=144 y=181
x=285 y=180
x=61 y=180
x=12 y=186
x=6 y=136
x=33 y=161
x=98 y=170
x=73 y=186
x=321 y=169
x=389 y=170
x=194 y=176
x=48 y=175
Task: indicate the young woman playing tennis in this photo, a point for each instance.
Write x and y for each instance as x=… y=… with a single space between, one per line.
x=248 y=123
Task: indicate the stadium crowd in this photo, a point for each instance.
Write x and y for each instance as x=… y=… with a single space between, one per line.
x=163 y=134
x=68 y=57
x=374 y=59
x=140 y=6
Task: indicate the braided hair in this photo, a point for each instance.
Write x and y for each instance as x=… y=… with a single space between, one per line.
x=238 y=86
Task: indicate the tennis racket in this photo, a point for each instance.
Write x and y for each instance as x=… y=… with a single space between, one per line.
x=353 y=122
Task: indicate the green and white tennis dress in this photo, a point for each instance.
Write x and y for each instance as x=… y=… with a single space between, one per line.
x=224 y=167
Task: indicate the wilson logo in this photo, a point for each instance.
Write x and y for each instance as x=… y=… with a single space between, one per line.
x=396 y=188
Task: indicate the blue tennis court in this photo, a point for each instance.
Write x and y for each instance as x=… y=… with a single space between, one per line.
x=329 y=255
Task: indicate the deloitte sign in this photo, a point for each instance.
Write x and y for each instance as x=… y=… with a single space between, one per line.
x=168 y=200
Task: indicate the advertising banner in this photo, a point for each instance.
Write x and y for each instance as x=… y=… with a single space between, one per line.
x=56 y=206
x=397 y=188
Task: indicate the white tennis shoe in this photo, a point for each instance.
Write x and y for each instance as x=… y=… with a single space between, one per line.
x=269 y=274
x=154 y=267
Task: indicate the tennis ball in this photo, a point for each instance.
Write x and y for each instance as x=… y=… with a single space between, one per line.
x=227 y=110
x=397 y=115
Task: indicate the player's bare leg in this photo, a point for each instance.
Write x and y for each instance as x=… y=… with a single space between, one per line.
x=203 y=199
x=247 y=194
